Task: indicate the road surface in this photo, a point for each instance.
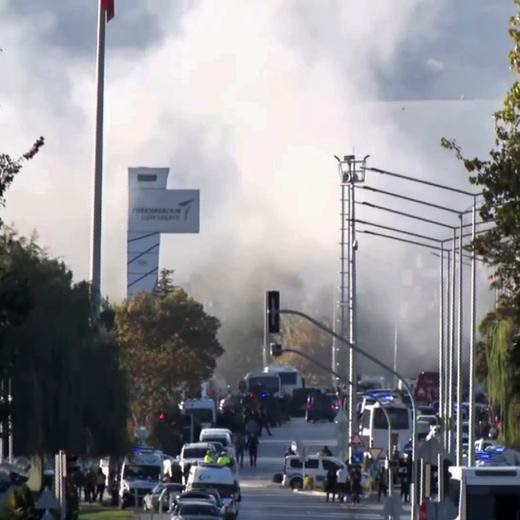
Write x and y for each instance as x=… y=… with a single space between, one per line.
x=263 y=500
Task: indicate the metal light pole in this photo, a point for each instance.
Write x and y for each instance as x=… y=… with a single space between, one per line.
x=352 y=334
x=441 y=337
x=458 y=449
x=350 y=176
x=379 y=363
x=471 y=418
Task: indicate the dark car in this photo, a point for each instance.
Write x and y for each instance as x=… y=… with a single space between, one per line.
x=299 y=401
x=320 y=407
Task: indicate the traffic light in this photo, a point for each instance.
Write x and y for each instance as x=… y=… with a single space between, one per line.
x=273 y=311
x=276 y=349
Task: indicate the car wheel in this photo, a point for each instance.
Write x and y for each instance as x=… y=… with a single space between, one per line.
x=296 y=483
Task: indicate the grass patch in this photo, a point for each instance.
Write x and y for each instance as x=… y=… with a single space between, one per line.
x=95 y=513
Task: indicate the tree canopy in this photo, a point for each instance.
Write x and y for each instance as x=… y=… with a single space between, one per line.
x=68 y=390
x=169 y=347
x=301 y=335
x=498 y=176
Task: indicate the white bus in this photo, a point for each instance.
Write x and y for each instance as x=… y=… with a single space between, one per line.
x=290 y=378
x=203 y=410
x=258 y=382
x=491 y=493
x=374 y=425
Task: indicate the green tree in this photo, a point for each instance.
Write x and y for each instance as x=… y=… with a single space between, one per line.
x=169 y=346
x=301 y=335
x=69 y=391
x=498 y=355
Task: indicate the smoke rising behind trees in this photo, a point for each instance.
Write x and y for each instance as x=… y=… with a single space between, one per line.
x=248 y=102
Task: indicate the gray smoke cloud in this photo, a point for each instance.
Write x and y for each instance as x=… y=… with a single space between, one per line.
x=248 y=102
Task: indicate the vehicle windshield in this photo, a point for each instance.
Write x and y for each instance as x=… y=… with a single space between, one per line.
x=485 y=502
x=198 y=510
x=157 y=489
x=141 y=472
x=287 y=378
x=222 y=440
x=225 y=490
x=269 y=383
x=194 y=453
x=201 y=415
x=399 y=419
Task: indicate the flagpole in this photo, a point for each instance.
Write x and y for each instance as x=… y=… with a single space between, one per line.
x=95 y=260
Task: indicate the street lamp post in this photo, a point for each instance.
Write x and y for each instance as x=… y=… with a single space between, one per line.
x=386 y=367
x=473 y=303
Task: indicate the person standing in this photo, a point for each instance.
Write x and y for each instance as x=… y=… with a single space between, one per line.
x=342 y=477
x=252 y=446
x=381 y=484
x=90 y=486
x=240 y=447
x=331 y=483
x=356 y=484
x=100 y=485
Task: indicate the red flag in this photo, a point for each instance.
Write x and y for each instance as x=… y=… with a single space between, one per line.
x=109 y=7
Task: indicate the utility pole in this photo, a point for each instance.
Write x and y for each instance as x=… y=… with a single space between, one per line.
x=351 y=172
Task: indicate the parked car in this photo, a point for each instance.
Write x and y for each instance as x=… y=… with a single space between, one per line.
x=316 y=466
x=161 y=493
x=320 y=407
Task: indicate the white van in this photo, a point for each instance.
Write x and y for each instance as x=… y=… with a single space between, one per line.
x=139 y=475
x=374 y=426
x=316 y=467
x=222 y=435
x=213 y=476
x=194 y=452
x=290 y=378
x=203 y=411
x=491 y=493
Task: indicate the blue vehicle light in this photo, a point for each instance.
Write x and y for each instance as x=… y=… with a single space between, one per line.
x=137 y=450
x=264 y=395
x=498 y=449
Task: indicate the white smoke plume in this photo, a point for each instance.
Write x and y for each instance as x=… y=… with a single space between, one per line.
x=248 y=101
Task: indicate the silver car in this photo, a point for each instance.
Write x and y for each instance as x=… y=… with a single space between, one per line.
x=196 y=510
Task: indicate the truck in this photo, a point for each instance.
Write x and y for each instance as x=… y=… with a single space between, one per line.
x=140 y=473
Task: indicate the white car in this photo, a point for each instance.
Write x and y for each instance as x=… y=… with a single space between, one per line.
x=316 y=467
x=222 y=435
x=194 y=453
x=222 y=479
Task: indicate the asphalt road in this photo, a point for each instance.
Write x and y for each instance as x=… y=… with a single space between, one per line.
x=263 y=500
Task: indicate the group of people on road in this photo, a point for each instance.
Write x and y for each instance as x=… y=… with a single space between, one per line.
x=93 y=484
x=343 y=484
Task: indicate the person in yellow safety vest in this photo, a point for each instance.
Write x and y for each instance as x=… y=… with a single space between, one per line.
x=208 y=458
x=224 y=459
